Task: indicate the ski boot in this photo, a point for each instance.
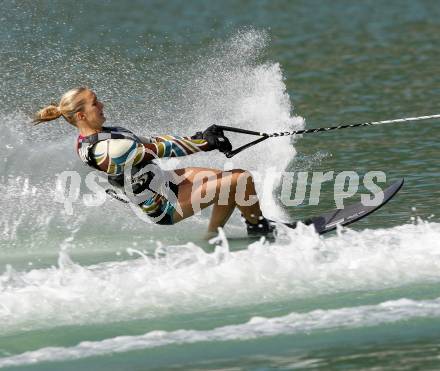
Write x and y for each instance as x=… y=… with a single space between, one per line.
x=264 y=227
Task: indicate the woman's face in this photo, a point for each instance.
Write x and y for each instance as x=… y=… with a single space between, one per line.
x=93 y=111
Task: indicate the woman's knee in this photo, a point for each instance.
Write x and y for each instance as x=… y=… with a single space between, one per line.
x=238 y=171
x=241 y=175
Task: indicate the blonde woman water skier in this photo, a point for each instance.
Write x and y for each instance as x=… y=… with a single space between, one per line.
x=118 y=151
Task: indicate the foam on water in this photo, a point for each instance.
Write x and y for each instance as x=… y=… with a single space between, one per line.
x=227 y=83
x=257 y=327
x=186 y=279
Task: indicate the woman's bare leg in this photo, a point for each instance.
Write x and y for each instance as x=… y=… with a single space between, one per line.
x=225 y=190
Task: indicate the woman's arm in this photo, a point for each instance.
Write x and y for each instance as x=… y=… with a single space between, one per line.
x=112 y=154
x=174 y=146
x=164 y=138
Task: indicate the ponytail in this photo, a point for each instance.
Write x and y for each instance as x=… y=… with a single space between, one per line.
x=48 y=113
x=70 y=104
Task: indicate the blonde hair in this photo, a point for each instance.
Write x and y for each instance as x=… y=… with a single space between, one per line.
x=69 y=105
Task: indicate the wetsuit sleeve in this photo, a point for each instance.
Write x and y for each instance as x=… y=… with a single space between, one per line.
x=112 y=154
x=164 y=138
x=180 y=146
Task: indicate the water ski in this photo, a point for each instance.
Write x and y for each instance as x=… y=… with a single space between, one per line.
x=352 y=213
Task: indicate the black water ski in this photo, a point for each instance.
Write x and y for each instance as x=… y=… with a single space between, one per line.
x=351 y=213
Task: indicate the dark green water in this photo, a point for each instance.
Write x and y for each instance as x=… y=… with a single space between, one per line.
x=364 y=299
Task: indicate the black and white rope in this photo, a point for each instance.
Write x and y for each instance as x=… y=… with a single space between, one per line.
x=264 y=136
x=307 y=131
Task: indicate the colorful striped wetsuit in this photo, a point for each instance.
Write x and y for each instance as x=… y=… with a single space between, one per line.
x=113 y=148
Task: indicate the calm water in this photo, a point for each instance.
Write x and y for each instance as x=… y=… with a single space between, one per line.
x=100 y=289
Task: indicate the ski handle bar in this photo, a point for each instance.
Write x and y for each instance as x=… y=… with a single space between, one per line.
x=264 y=136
